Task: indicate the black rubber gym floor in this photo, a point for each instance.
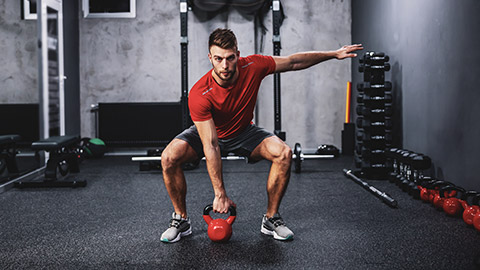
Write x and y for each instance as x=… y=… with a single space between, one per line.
x=116 y=223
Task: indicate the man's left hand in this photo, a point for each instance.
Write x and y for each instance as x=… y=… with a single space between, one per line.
x=347 y=51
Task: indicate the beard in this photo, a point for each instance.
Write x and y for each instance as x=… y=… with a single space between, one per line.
x=225 y=77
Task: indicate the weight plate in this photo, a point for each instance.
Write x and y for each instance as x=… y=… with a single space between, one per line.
x=298 y=161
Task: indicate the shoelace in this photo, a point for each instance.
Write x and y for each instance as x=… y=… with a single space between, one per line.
x=175 y=223
x=277 y=221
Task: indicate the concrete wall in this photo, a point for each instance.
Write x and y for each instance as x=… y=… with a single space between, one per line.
x=138 y=60
x=18 y=63
x=431 y=44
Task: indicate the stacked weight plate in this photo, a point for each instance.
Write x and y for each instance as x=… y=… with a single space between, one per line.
x=374 y=111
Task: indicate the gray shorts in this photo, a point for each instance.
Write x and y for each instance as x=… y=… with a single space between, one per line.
x=241 y=145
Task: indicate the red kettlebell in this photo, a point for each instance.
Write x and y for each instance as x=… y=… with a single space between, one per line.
x=476 y=221
x=441 y=194
x=424 y=191
x=434 y=189
x=451 y=205
x=424 y=194
x=219 y=230
x=471 y=210
x=438 y=201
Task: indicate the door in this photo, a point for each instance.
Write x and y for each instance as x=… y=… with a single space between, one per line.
x=51 y=74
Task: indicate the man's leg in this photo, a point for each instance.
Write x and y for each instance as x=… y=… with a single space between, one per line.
x=175 y=154
x=280 y=154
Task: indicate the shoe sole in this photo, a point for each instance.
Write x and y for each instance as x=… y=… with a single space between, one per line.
x=180 y=235
x=275 y=235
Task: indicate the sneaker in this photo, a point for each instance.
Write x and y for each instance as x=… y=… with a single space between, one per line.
x=178 y=227
x=276 y=226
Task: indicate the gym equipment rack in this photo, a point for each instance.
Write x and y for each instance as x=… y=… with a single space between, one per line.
x=374 y=112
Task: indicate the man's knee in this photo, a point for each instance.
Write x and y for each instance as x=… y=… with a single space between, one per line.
x=174 y=154
x=285 y=155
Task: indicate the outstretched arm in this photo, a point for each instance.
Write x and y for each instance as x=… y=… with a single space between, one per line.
x=302 y=60
x=208 y=135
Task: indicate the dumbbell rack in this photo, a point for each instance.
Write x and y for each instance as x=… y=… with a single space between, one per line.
x=374 y=111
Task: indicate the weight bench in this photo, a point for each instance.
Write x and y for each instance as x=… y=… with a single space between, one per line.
x=63 y=158
x=8 y=153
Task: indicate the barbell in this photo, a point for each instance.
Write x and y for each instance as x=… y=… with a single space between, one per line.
x=297 y=156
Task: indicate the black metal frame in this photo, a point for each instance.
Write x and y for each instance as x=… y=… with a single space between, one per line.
x=184 y=61
x=62 y=153
x=8 y=152
x=277 y=46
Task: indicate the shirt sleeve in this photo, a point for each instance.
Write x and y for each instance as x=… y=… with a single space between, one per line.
x=266 y=62
x=200 y=108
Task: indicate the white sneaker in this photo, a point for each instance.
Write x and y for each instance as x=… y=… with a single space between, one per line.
x=178 y=227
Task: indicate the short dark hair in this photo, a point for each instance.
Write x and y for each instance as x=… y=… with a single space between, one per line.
x=223 y=38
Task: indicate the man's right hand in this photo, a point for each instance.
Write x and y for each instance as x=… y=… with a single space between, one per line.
x=221 y=204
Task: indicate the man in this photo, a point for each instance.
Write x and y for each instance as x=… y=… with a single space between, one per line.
x=221 y=106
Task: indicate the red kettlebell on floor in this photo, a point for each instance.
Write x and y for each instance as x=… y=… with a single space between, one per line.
x=435 y=190
x=425 y=192
x=219 y=230
x=471 y=210
x=453 y=206
x=476 y=221
x=443 y=193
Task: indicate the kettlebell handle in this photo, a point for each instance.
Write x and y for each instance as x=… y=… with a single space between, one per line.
x=451 y=188
x=208 y=208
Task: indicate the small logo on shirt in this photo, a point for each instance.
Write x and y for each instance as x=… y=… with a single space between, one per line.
x=244 y=66
x=207 y=91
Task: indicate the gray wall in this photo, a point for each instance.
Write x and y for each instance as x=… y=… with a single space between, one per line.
x=138 y=60
x=433 y=49
x=18 y=63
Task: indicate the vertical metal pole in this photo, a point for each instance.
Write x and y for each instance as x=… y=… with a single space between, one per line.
x=184 y=61
x=276 y=77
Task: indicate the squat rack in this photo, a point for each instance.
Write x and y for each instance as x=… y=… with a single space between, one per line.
x=184 y=61
x=276 y=23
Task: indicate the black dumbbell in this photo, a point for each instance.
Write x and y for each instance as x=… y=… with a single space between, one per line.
x=358 y=160
x=366 y=137
x=367 y=66
x=376 y=56
x=372 y=153
x=402 y=167
x=407 y=180
x=358 y=147
x=409 y=184
x=368 y=123
x=391 y=155
x=418 y=164
x=386 y=86
x=369 y=112
x=370 y=99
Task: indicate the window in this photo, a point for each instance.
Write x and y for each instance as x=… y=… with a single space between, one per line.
x=109 y=8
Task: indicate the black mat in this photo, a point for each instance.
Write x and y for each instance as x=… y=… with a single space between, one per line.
x=116 y=223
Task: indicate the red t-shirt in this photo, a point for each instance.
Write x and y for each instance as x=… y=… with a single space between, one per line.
x=231 y=108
